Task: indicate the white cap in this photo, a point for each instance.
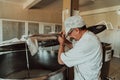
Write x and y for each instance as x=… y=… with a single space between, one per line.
x=73 y=22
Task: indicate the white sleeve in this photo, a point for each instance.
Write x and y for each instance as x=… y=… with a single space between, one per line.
x=80 y=54
x=73 y=57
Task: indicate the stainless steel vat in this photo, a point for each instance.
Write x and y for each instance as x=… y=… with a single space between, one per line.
x=42 y=66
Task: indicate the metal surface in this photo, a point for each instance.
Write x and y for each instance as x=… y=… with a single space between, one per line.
x=106 y=62
x=20 y=64
x=13 y=61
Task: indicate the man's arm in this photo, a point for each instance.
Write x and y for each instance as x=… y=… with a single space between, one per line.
x=63 y=42
x=61 y=50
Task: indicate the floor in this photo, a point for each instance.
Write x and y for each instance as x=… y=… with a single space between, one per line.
x=114 y=72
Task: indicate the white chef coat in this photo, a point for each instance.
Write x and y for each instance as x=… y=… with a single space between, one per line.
x=86 y=57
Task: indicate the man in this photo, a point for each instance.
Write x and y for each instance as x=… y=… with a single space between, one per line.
x=85 y=55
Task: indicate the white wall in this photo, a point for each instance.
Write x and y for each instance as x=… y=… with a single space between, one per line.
x=15 y=11
x=110 y=36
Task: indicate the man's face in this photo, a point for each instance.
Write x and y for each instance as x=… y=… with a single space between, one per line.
x=73 y=33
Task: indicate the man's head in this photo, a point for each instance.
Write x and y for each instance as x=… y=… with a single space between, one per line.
x=74 y=26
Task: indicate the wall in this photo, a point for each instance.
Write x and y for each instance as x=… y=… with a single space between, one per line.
x=14 y=11
x=111 y=35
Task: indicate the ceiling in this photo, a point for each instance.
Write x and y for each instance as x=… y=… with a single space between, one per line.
x=98 y=4
x=15 y=1
x=85 y=5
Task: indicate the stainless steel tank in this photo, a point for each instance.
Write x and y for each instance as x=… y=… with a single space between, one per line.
x=16 y=62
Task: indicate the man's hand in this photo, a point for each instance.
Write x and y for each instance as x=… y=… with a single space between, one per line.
x=61 y=38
